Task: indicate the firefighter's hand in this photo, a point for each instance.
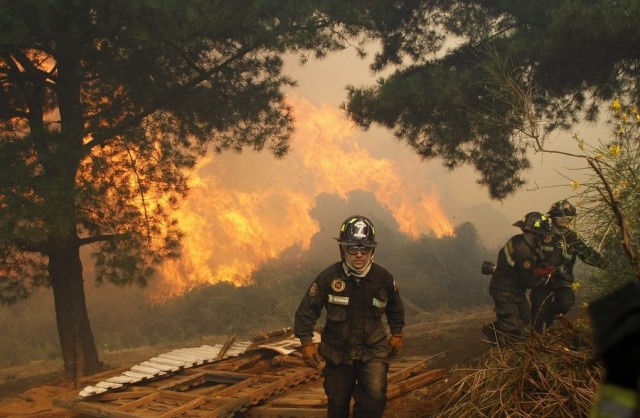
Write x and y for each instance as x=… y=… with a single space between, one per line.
x=395 y=344
x=310 y=355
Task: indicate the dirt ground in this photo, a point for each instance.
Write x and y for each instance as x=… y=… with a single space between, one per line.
x=28 y=391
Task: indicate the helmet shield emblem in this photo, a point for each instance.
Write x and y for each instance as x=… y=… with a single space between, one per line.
x=360 y=230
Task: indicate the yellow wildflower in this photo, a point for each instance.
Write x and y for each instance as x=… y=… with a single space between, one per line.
x=575 y=285
x=575 y=184
x=616 y=105
x=615 y=150
x=578 y=140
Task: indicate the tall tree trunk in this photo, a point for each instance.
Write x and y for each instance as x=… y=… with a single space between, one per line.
x=76 y=339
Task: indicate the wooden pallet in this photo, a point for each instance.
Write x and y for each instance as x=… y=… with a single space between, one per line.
x=310 y=401
x=245 y=381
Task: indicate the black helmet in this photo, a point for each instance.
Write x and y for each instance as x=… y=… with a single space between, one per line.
x=357 y=230
x=562 y=208
x=534 y=222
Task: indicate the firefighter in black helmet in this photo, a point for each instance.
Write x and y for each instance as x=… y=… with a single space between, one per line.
x=520 y=265
x=557 y=296
x=356 y=293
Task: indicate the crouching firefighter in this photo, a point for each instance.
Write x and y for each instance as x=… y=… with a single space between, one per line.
x=356 y=294
x=520 y=266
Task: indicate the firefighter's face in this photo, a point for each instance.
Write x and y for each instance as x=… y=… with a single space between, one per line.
x=563 y=222
x=359 y=256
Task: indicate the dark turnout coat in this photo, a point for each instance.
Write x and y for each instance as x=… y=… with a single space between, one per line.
x=568 y=246
x=516 y=264
x=354 y=329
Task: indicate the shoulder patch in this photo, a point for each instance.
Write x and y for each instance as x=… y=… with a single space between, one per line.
x=313 y=290
x=526 y=264
x=338 y=285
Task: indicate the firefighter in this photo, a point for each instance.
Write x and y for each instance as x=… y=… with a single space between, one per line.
x=356 y=293
x=557 y=296
x=520 y=266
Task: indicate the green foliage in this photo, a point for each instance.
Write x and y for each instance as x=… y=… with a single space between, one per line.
x=104 y=108
x=142 y=90
x=445 y=101
x=609 y=200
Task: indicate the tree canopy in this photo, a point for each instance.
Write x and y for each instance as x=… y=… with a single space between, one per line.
x=459 y=65
x=106 y=105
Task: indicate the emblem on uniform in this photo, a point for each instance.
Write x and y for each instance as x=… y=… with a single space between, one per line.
x=548 y=239
x=338 y=285
x=313 y=289
x=526 y=264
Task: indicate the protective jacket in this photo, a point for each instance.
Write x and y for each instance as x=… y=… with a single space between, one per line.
x=516 y=264
x=353 y=329
x=568 y=246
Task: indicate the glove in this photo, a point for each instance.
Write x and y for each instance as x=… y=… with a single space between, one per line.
x=395 y=344
x=310 y=355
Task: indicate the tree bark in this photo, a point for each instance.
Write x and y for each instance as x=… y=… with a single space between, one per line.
x=76 y=339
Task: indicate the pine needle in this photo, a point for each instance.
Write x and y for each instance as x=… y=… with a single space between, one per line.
x=544 y=375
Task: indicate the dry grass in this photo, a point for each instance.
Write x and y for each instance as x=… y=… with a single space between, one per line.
x=549 y=375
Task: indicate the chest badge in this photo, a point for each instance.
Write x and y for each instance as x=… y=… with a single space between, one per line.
x=338 y=285
x=548 y=239
x=526 y=264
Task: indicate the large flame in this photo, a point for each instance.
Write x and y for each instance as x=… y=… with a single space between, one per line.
x=245 y=209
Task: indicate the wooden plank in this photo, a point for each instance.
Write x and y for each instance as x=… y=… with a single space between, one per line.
x=407 y=371
x=138 y=402
x=267 y=412
x=415 y=382
x=167 y=361
x=320 y=402
x=136 y=375
x=122 y=395
x=225 y=377
x=88 y=408
x=153 y=371
x=230 y=390
x=184 y=382
x=122 y=379
x=159 y=366
x=184 y=408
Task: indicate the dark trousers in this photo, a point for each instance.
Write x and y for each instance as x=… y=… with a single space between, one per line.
x=512 y=311
x=366 y=382
x=547 y=302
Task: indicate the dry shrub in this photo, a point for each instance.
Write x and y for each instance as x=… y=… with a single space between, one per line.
x=543 y=375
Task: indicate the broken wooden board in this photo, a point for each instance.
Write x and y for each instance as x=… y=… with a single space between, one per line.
x=248 y=382
x=310 y=401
